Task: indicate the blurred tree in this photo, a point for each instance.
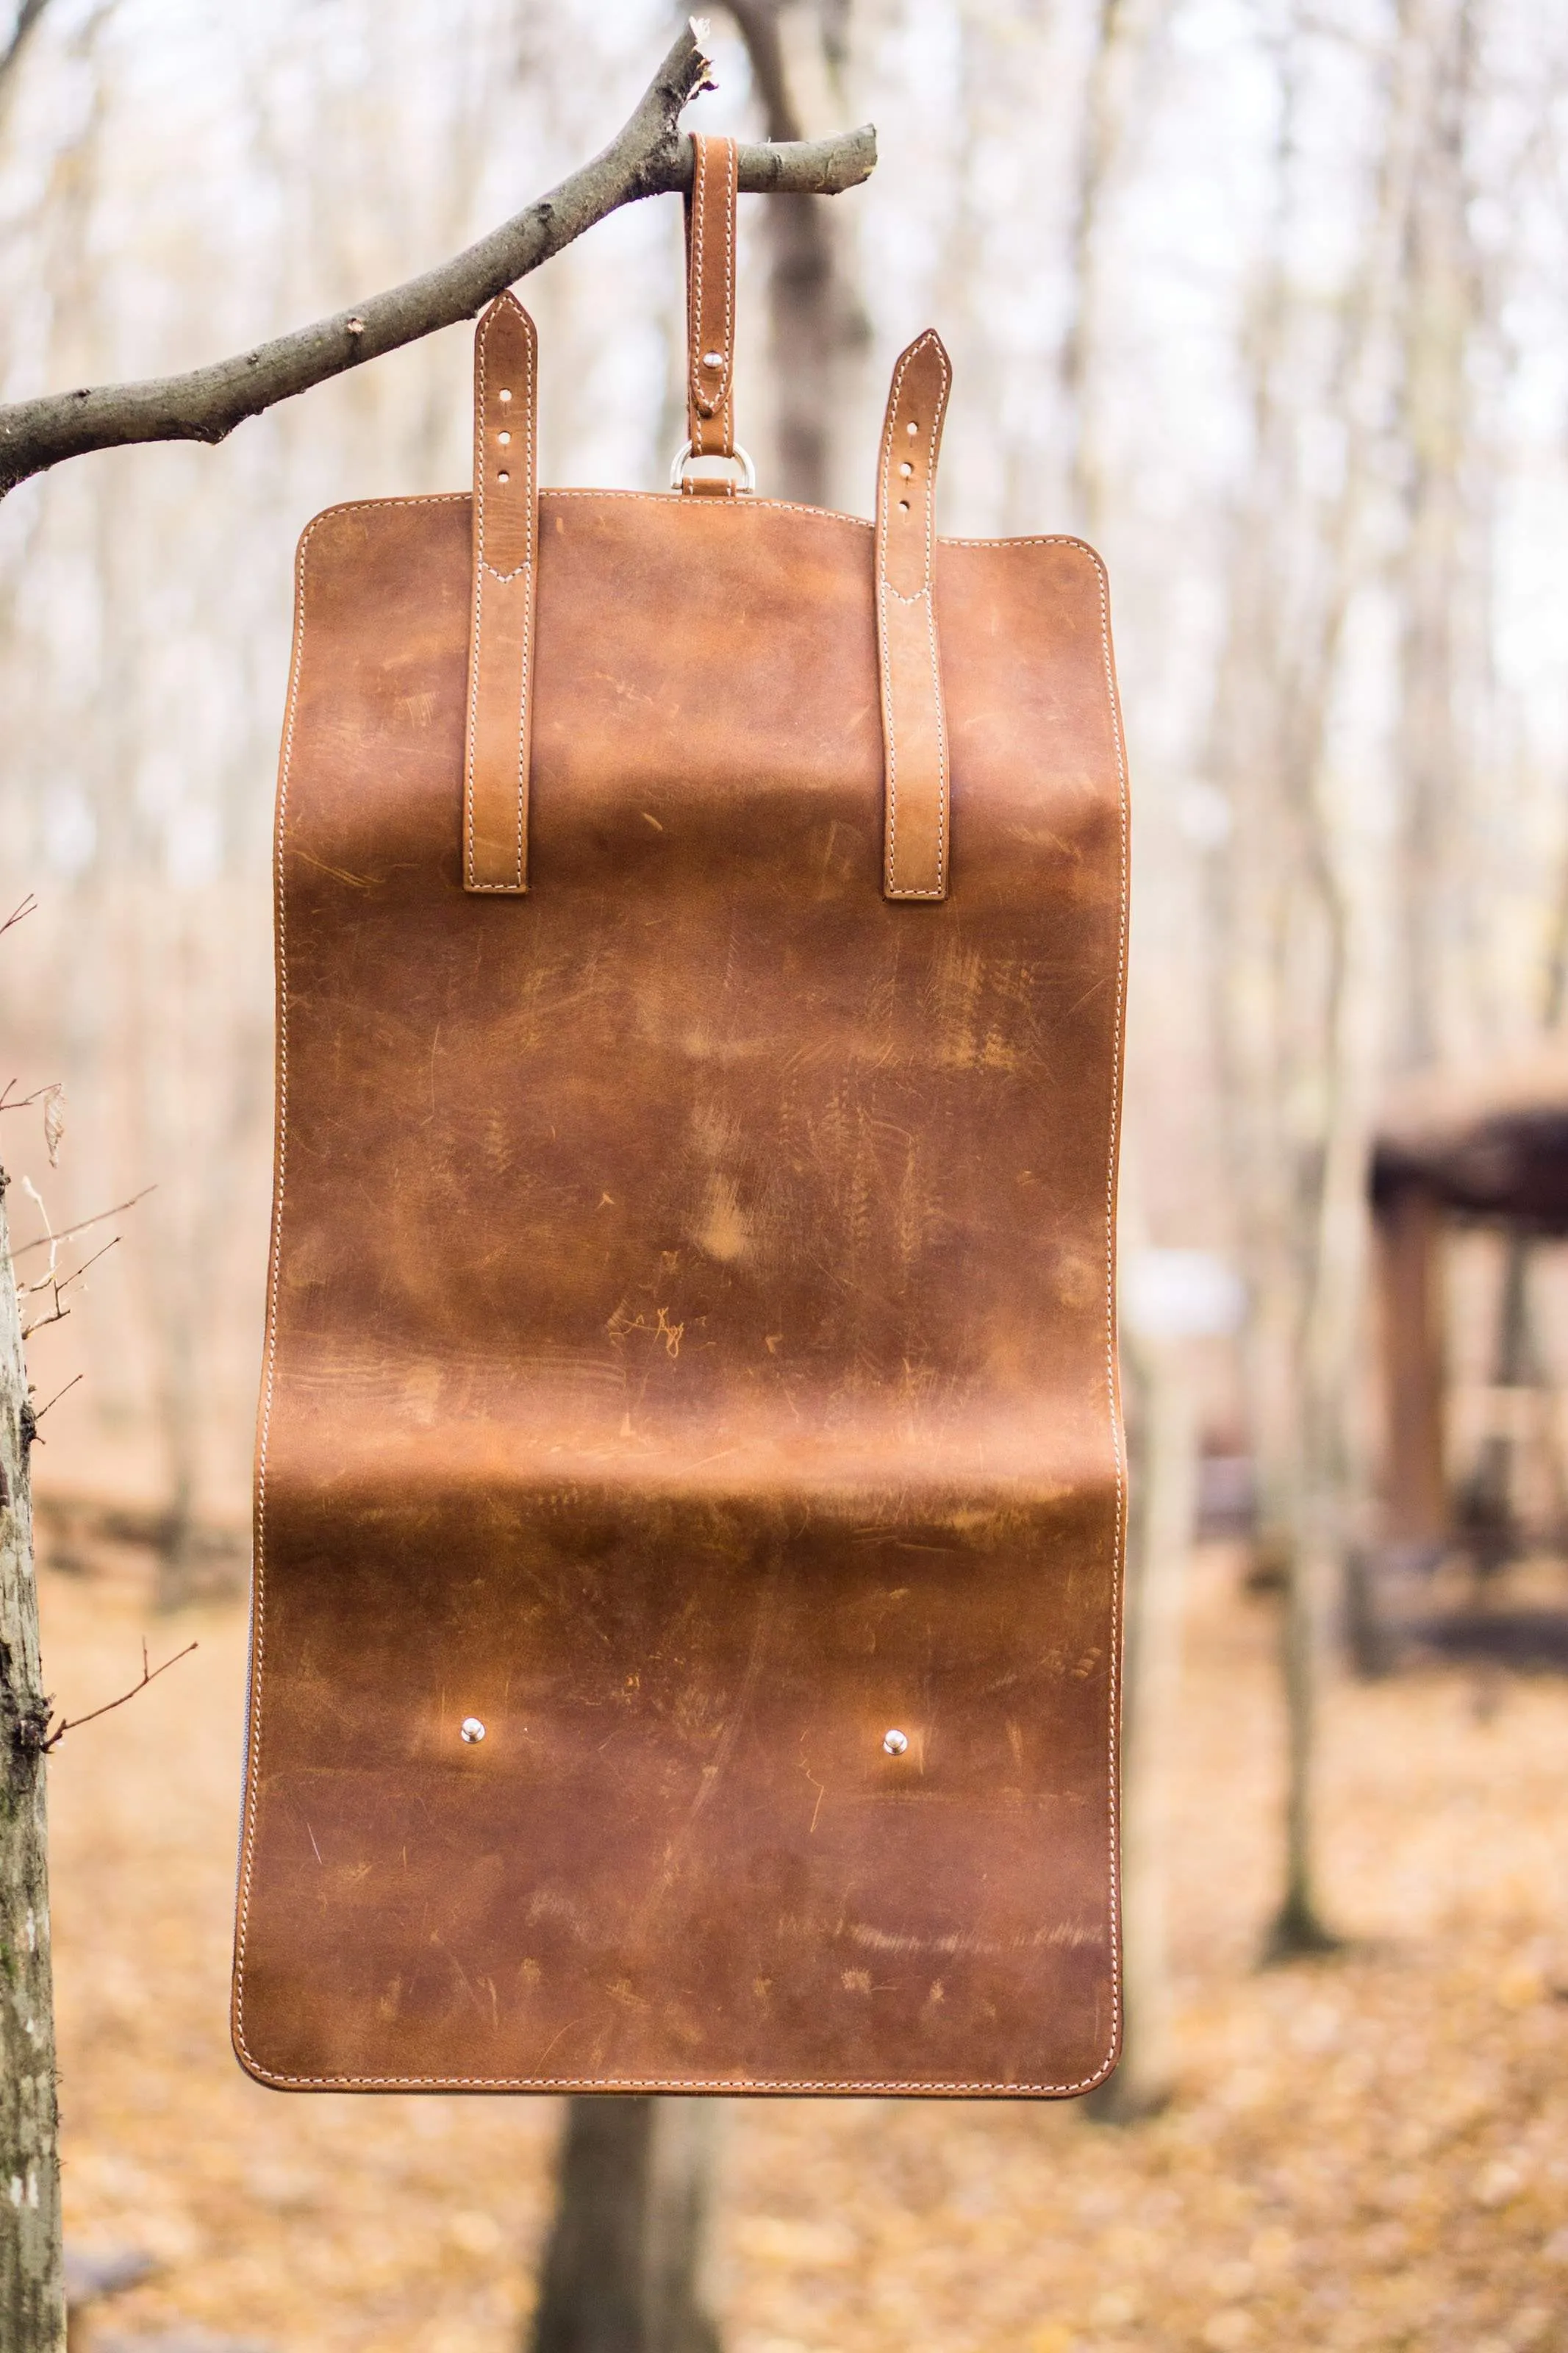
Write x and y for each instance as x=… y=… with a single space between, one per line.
x=649 y=156
x=817 y=325
x=32 y=2277
x=1298 y=1045
x=23 y=25
x=1128 y=36
x=1443 y=569
x=626 y=2267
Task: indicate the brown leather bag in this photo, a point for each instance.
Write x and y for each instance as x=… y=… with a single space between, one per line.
x=689 y=1494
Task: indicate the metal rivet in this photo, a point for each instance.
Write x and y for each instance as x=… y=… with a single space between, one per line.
x=895 y=1743
x=472 y=1729
x=506 y=396
x=712 y=359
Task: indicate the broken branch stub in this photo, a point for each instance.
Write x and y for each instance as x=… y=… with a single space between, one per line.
x=650 y=156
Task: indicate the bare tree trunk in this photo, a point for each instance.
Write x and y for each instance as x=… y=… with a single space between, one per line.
x=32 y=2291
x=1164 y=1445
x=1127 y=33
x=816 y=323
x=1444 y=625
x=1295 y=1007
x=624 y=2271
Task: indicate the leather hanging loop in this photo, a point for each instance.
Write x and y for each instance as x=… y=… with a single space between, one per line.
x=711 y=310
x=914 y=724
x=502 y=647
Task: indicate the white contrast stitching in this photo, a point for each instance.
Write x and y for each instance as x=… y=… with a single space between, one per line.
x=281 y=1147
x=924 y=594
x=719 y=2083
x=1112 y=1142
x=476 y=623
x=727 y=387
x=938 y=2088
x=694 y=324
x=481 y=566
x=702 y=410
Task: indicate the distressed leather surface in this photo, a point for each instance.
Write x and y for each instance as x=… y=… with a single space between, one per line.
x=502 y=648
x=914 y=726
x=691 y=1346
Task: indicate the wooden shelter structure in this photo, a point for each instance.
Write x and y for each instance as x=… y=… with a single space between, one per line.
x=1479 y=1145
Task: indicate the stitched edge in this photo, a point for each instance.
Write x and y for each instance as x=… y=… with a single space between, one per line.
x=923 y=594
x=702 y=410
x=531 y=538
x=943 y=2087
x=476 y=623
x=672 y=498
x=727 y=383
x=280 y=1148
x=504 y=302
x=1112 y=1379
x=931 y=2090
x=696 y=245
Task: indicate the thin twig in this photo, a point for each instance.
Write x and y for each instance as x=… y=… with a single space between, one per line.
x=24 y=1102
x=64 y=1281
x=44 y=1241
x=56 y=1283
x=29 y=906
x=149 y=1675
x=650 y=156
x=39 y=1411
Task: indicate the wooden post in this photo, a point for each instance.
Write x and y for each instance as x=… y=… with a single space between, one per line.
x=1409 y=1236
x=625 y=2268
x=32 y=2290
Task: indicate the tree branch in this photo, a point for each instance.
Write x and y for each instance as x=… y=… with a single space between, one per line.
x=26 y=20
x=51 y=1240
x=650 y=156
x=40 y=1737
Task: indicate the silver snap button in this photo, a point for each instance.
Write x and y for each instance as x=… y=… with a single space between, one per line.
x=712 y=359
x=895 y=1743
x=471 y=1729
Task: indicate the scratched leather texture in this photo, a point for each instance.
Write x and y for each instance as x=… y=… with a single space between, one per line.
x=690 y=1344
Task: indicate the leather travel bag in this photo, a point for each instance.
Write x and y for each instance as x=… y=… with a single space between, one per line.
x=689 y=1496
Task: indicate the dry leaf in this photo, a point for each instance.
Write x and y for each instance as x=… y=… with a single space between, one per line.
x=54 y=1121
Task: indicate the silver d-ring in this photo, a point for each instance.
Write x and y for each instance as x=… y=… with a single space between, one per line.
x=748 y=481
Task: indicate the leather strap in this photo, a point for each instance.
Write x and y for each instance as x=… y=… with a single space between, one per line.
x=914 y=727
x=711 y=310
x=501 y=661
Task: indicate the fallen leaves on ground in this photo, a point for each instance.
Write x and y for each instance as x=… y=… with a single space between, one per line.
x=1366 y=2152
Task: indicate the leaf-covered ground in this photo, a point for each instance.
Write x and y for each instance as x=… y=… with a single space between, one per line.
x=1370 y=2152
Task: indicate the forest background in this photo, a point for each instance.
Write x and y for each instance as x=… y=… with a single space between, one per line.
x=1270 y=300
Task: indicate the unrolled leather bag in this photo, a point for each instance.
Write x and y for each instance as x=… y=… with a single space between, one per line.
x=688 y=1501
